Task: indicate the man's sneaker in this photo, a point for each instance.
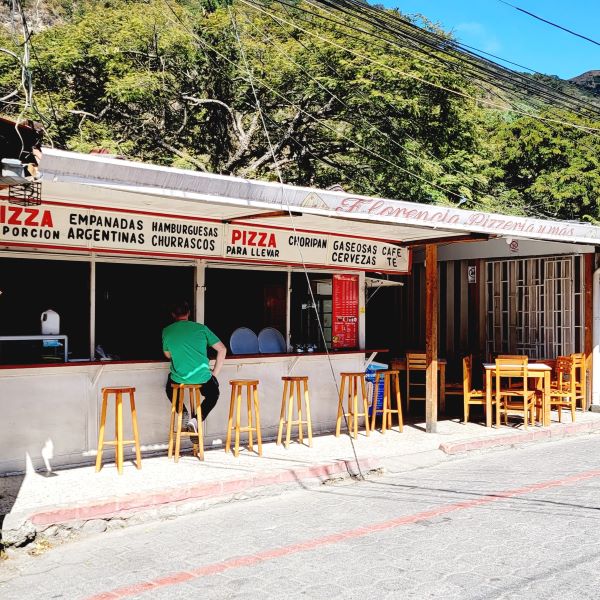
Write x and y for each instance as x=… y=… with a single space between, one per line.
x=192 y=425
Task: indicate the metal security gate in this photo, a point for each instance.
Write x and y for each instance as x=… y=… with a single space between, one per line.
x=535 y=306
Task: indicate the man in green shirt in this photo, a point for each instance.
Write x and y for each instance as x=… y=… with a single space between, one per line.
x=186 y=343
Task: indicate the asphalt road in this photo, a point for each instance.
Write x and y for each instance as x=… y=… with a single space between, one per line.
x=520 y=523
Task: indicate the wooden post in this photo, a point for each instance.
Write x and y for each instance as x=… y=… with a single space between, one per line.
x=588 y=263
x=431 y=337
x=589 y=318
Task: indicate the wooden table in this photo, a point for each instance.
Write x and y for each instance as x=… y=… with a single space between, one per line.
x=538 y=371
x=399 y=364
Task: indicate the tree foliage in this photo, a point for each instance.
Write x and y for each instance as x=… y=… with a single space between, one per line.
x=219 y=86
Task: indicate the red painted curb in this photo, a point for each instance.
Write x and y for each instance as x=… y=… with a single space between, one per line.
x=122 y=505
x=565 y=430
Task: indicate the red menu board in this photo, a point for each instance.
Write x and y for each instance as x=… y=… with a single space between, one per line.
x=344 y=332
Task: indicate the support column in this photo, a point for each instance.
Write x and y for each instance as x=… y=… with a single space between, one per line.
x=200 y=287
x=431 y=337
x=288 y=311
x=362 y=299
x=92 y=307
x=588 y=263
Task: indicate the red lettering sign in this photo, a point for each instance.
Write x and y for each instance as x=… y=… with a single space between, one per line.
x=344 y=332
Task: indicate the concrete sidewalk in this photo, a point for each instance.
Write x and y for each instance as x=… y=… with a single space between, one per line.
x=79 y=500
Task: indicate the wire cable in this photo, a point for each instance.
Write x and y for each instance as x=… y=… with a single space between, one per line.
x=477 y=100
x=583 y=37
x=288 y=58
x=292 y=220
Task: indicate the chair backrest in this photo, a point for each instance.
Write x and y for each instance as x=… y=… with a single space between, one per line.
x=416 y=361
x=565 y=371
x=579 y=363
x=244 y=341
x=513 y=367
x=467 y=373
x=270 y=341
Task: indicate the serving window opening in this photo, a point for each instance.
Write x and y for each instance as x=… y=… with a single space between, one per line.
x=133 y=306
x=249 y=298
x=30 y=287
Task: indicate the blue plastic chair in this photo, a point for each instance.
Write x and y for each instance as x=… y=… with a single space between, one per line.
x=243 y=341
x=270 y=341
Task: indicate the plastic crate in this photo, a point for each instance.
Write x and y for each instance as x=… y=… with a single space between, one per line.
x=370 y=379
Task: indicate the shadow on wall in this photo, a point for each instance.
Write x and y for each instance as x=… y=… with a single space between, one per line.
x=10 y=486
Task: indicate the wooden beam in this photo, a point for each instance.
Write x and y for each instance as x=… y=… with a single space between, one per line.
x=468 y=237
x=431 y=337
x=588 y=290
x=588 y=344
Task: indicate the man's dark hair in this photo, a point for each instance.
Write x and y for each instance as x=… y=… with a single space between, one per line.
x=180 y=308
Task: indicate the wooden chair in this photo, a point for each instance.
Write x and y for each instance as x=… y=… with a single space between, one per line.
x=563 y=392
x=465 y=388
x=510 y=398
x=471 y=395
x=415 y=387
x=580 y=366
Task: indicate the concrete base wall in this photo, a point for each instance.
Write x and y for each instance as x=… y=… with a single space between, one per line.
x=50 y=415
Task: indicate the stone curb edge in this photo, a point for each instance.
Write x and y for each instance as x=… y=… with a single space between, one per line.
x=520 y=438
x=118 y=506
x=126 y=505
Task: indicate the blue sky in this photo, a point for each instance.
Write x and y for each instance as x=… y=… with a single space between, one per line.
x=494 y=27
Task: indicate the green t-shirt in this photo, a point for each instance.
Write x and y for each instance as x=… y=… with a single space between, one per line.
x=187 y=341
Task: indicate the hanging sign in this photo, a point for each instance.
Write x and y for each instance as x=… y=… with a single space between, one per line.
x=62 y=226
x=344 y=327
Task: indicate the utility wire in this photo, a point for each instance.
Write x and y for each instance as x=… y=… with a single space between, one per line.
x=292 y=220
x=322 y=123
x=391 y=21
x=583 y=37
x=437 y=47
x=29 y=38
x=588 y=129
x=312 y=117
x=372 y=126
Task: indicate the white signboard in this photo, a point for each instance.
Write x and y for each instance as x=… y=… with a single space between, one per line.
x=61 y=226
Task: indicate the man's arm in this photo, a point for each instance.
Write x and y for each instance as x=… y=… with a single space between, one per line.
x=167 y=354
x=221 y=353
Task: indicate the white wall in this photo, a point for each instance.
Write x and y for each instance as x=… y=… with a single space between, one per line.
x=54 y=411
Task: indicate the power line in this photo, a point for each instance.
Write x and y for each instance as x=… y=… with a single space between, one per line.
x=293 y=223
x=401 y=28
x=479 y=100
x=319 y=121
x=316 y=119
x=583 y=37
x=289 y=59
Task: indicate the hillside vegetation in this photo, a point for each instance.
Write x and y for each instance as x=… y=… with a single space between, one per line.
x=178 y=83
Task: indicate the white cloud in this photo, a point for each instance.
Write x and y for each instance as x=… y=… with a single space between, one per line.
x=475 y=34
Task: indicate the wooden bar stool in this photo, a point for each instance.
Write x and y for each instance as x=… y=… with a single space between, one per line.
x=237 y=387
x=177 y=405
x=291 y=388
x=391 y=380
x=118 y=442
x=354 y=382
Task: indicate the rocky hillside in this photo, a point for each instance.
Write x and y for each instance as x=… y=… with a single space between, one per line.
x=589 y=79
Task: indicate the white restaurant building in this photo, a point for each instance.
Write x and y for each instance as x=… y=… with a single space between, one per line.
x=113 y=242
